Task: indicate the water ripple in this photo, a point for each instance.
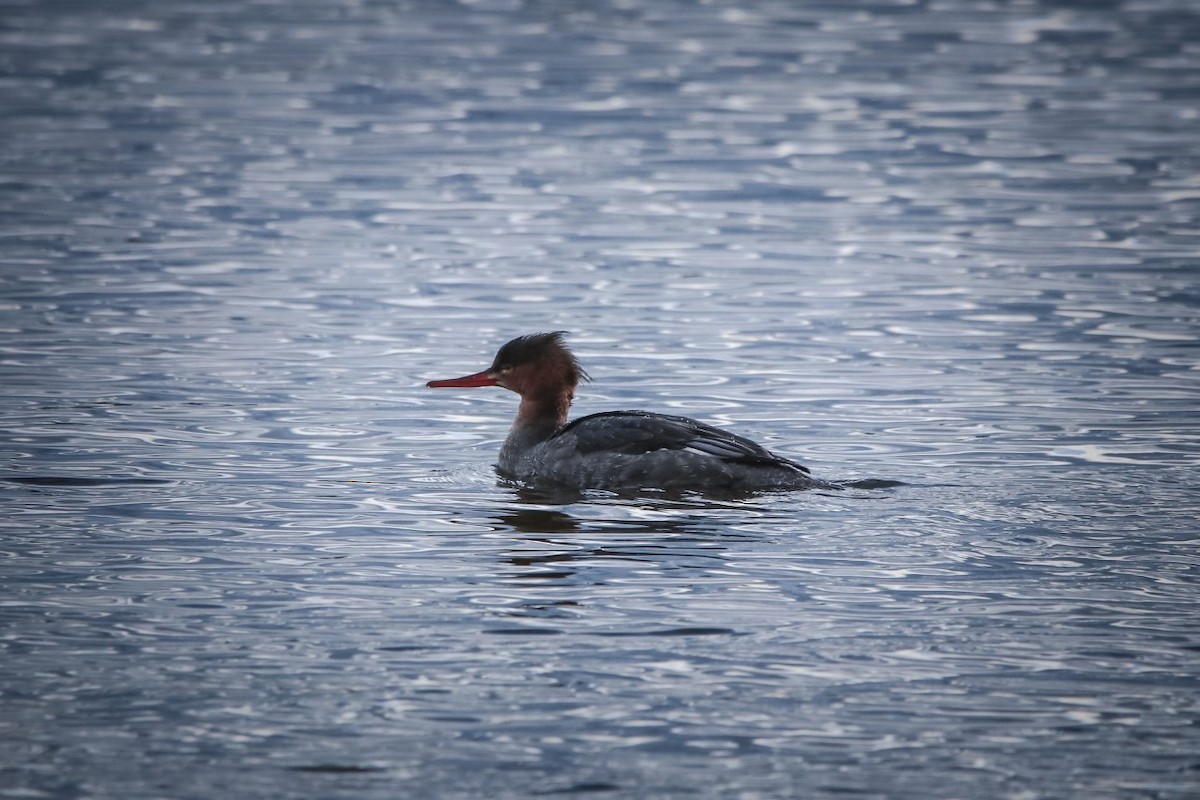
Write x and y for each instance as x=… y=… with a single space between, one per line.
x=954 y=250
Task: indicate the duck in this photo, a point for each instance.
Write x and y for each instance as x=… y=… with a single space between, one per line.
x=621 y=451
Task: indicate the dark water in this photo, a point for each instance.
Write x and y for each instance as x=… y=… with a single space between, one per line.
x=246 y=554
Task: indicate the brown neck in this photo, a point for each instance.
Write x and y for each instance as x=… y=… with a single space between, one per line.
x=548 y=410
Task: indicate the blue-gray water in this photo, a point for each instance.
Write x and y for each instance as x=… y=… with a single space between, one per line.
x=245 y=553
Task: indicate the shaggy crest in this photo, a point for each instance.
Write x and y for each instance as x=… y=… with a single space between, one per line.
x=536 y=347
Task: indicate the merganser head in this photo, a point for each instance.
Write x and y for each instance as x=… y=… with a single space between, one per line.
x=539 y=363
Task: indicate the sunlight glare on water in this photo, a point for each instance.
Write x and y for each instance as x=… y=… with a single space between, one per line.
x=245 y=553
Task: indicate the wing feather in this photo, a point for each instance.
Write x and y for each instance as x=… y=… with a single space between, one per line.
x=637 y=432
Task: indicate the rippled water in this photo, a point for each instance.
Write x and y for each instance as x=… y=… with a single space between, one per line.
x=246 y=554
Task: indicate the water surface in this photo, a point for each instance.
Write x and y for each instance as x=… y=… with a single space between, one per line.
x=246 y=554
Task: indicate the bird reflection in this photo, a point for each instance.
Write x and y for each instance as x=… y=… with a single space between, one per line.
x=557 y=546
x=540 y=520
x=568 y=559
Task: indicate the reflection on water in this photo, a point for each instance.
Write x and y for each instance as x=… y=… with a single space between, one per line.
x=944 y=254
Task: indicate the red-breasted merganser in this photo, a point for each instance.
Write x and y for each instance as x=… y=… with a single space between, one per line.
x=616 y=450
